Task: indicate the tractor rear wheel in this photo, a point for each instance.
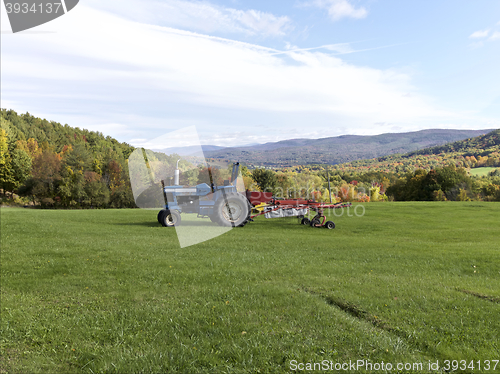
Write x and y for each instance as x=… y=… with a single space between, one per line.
x=232 y=210
x=170 y=218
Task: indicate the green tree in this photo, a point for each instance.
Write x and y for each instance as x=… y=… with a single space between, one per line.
x=96 y=191
x=430 y=185
x=409 y=188
x=79 y=158
x=21 y=167
x=265 y=179
x=71 y=187
x=375 y=193
x=189 y=177
x=439 y=195
x=46 y=175
x=450 y=177
x=462 y=195
x=284 y=184
x=7 y=181
x=122 y=197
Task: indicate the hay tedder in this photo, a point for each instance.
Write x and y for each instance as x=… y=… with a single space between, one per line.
x=227 y=207
x=279 y=208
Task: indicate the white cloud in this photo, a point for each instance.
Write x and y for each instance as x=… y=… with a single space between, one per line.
x=262 y=23
x=200 y=16
x=479 y=34
x=340 y=48
x=338 y=9
x=482 y=37
x=495 y=36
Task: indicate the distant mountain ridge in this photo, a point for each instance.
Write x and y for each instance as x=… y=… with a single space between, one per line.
x=340 y=149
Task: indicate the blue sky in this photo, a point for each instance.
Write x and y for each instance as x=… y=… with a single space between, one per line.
x=251 y=72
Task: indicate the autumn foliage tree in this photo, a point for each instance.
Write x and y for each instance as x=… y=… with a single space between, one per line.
x=60 y=166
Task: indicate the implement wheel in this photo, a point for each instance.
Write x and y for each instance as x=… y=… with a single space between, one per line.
x=315 y=222
x=170 y=218
x=305 y=221
x=330 y=225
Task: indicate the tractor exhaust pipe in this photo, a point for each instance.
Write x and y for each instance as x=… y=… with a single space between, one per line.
x=176 y=174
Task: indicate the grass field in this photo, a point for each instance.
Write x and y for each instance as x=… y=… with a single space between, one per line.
x=481 y=171
x=110 y=291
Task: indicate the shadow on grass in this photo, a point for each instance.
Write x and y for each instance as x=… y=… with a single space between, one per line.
x=156 y=224
x=145 y=224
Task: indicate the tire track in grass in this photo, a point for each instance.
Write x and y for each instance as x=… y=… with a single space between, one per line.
x=353 y=310
x=362 y=315
x=358 y=313
x=492 y=299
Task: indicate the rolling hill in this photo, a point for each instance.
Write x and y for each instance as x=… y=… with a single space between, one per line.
x=340 y=149
x=480 y=151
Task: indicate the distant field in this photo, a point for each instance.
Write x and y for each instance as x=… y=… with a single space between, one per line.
x=481 y=171
x=110 y=291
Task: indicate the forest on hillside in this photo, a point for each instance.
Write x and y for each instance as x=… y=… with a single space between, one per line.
x=54 y=165
x=49 y=165
x=46 y=164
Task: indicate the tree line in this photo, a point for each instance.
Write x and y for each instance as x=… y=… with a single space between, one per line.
x=447 y=183
x=435 y=184
x=56 y=165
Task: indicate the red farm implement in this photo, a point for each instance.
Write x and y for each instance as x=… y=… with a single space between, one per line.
x=279 y=208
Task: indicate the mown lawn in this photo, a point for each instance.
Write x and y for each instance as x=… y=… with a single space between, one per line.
x=481 y=171
x=110 y=291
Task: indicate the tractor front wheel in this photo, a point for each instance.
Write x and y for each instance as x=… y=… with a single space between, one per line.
x=169 y=218
x=160 y=214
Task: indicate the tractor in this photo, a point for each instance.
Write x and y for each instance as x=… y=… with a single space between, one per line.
x=223 y=205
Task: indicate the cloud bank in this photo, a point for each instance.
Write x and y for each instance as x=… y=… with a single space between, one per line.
x=136 y=80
